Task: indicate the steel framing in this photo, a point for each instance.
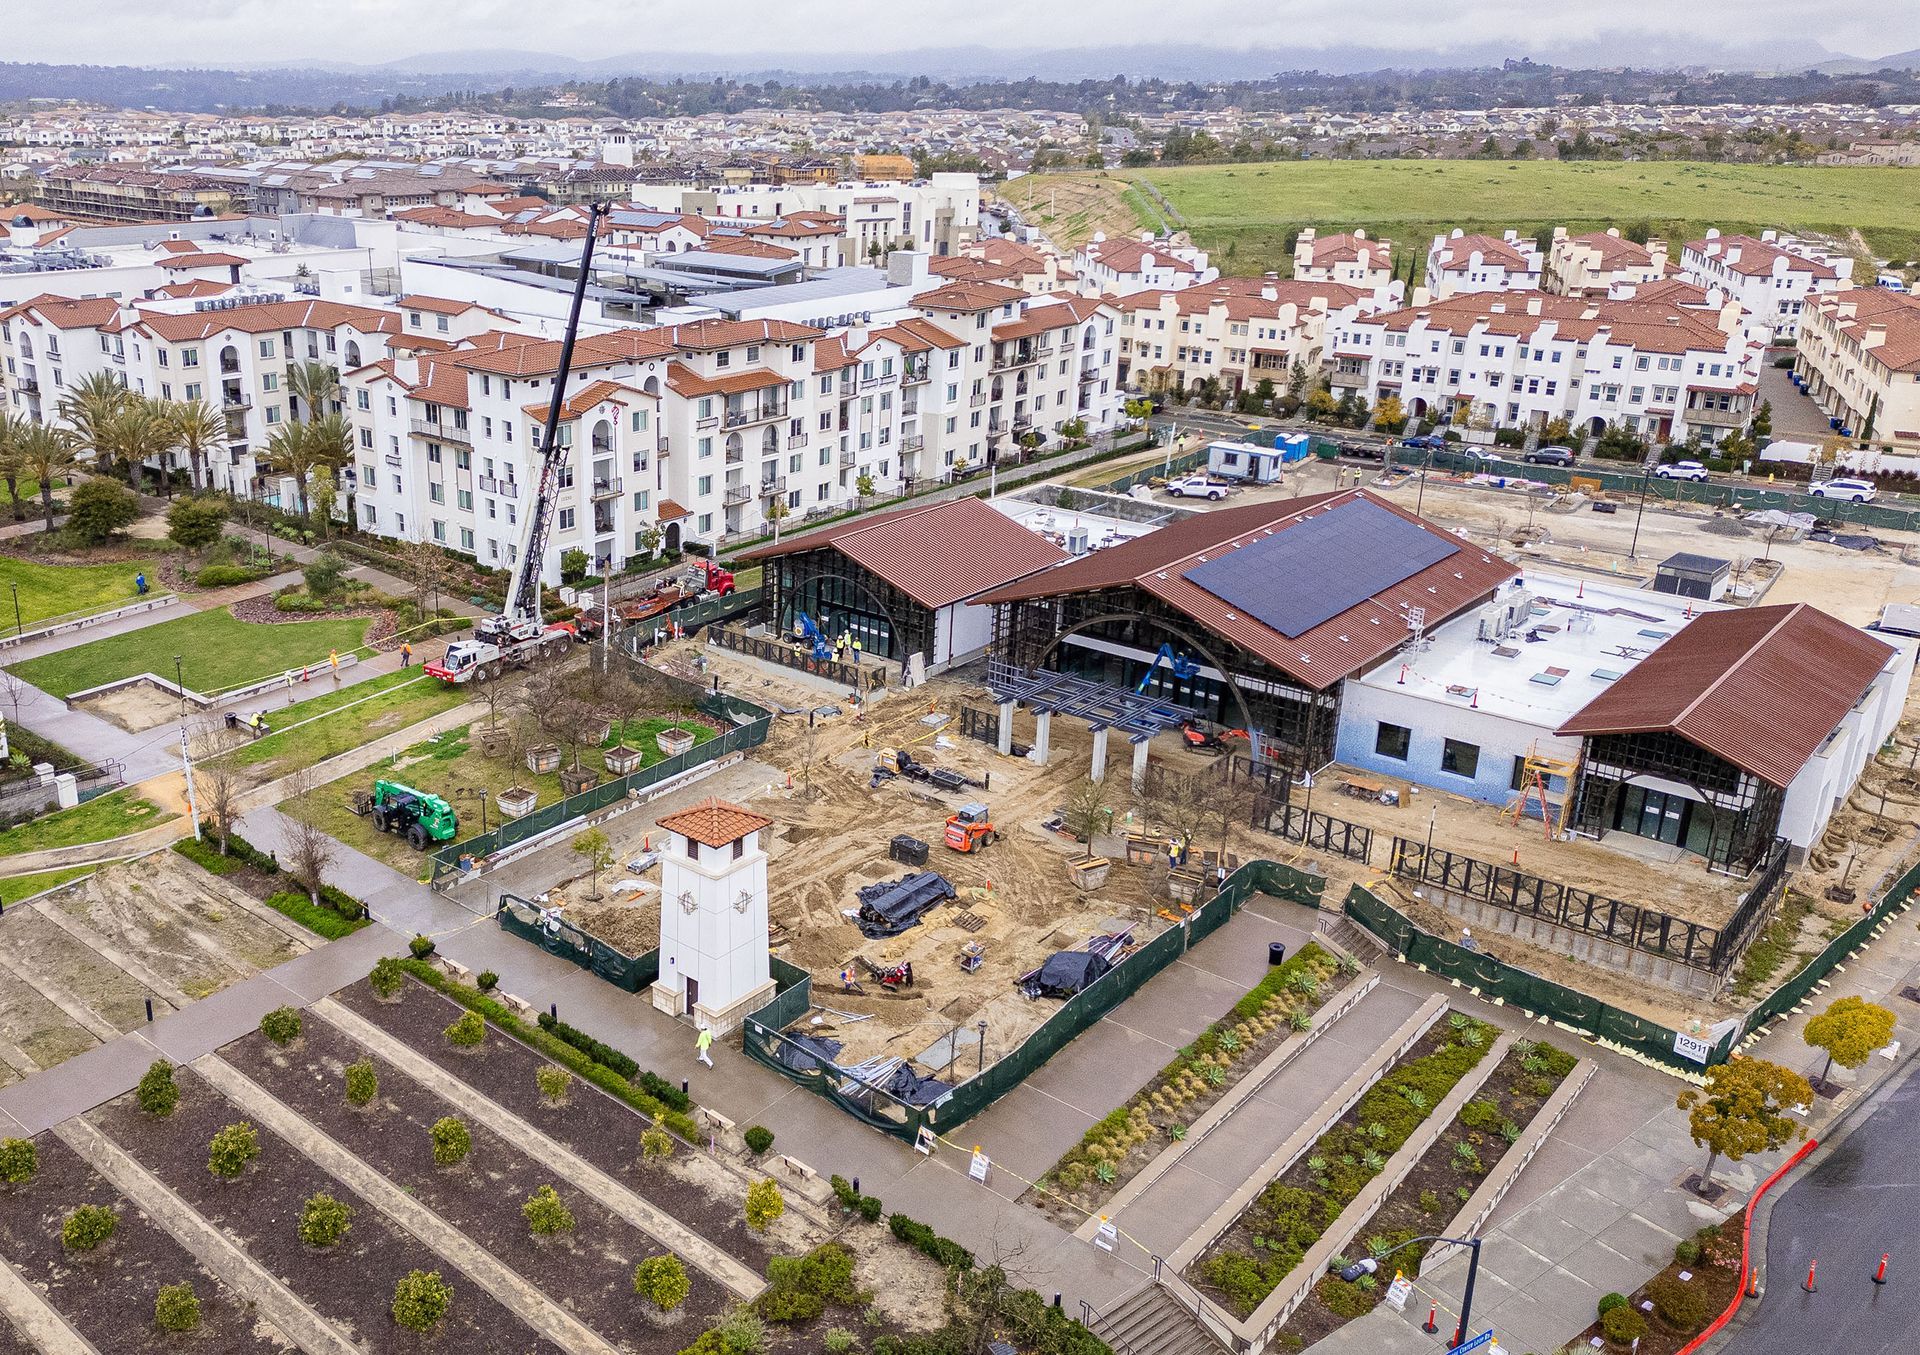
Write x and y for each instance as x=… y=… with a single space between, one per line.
x=1744 y=811
x=823 y=580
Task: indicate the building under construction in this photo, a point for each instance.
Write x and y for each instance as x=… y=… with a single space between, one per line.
x=1252 y=617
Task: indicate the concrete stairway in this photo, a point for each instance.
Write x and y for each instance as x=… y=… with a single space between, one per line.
x=1150 y=1321
x=1355 y=940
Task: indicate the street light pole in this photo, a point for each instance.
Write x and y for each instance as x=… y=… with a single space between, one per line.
x=1646 y=478
x=1421 y=496
x=186 y=762
x=19 y=628
x=1372 y=1263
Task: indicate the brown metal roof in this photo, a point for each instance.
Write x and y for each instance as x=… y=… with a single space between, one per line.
x=1338 y=647
x=714 y=822
x=935 y=553
x=1762 y=688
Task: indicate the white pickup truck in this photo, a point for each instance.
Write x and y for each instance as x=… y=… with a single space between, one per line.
x=1199 y=487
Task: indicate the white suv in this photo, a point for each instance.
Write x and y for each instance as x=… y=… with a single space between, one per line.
x=1681 y=470
x=1855 y=491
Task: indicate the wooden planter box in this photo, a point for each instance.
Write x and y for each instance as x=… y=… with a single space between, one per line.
x=1185 y=885
x=621 y=759
x=1090 y=874
x=545 y=758
x=573 y=782
x=517 y=803
x=598 y=731
x=674 y=742
x=493 y=741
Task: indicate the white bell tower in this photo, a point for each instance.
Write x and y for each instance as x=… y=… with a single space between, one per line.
x=713 y=916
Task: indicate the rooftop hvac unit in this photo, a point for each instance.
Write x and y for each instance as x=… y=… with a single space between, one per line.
x=1494 y=623
x=1077 y=541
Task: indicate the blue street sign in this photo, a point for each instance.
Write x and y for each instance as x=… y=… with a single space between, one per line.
x=1474 y=1342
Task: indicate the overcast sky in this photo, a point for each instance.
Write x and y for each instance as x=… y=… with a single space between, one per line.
x=217 y=32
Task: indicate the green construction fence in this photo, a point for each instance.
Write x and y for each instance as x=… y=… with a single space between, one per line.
x=767 y=1043
x=553 y=934
x=1530 y=993
x=1795 y=990
x=745 y=727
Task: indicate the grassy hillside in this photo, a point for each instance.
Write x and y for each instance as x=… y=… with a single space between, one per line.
x=1244 y=213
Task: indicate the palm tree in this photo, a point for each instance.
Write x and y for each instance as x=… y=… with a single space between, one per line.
x=13 y=457
x=139 y=431
x=89 y=408
x=312 y=384
x=329 y=447
x=198 y=429
x=286 y=450
x=48 y=454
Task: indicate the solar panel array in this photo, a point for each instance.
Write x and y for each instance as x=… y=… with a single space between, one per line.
x=1317 y=568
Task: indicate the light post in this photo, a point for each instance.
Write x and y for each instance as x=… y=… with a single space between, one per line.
x=1372 y=1264
x=1421 y=496
x=19 y=628
x=186 y=762
x=1646 y=478
x=981 y=1026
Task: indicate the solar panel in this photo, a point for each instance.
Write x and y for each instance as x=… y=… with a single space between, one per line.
x=1315 y=569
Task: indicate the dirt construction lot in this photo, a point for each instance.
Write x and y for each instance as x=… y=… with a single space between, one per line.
x=828 y=843
x=77 y=965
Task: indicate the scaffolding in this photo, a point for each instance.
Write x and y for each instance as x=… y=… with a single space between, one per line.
x=1536 y=774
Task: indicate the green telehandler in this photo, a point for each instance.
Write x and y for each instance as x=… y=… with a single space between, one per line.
x=419 y=817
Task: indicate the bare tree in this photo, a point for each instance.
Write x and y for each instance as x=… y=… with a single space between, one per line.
x=219 y=793
x=427 y=568
x=309 y=850
x=1087 y=811
x=1178 y=806
x=13 y=690
x=806 y=753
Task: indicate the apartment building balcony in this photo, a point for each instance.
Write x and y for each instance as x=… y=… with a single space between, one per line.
x=443 y=430
x=847 y=457
x=873 y=383
x=28 y=385
x=609 y=489
x=506 y=489
x=1023 y=421
x=711 y=421
x=776 y=486
x=229 y=366
x=1090 y=374
x=735 y=456
x=796 y=440
x=977 y=399
x=735 y=418
x=916 y=373
x=736 y=494
x=913 y=442
x=236 y=401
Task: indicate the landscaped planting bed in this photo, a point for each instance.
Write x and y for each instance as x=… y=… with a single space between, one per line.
x=592 y=1268
x=349 y=1283
x=1128 y=1138
x=602 y=1130
x=1269 y=1239
x=11 y=1342
x=1442 y=1181
x=107 y=1295
x=1667 y=1312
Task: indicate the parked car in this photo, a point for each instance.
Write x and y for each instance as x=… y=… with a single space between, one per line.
x=1681 y=470
x=1854 y=491
x=1432 y=441
x=1478 y=454
x=1550 y=456
x=1198 y=487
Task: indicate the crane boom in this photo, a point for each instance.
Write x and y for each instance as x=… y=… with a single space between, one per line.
x=523 y=597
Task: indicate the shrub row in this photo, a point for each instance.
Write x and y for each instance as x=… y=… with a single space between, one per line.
x=601 y=1076
x=866 y=1206
x=1286 y=1219
x=919 y=1236
x=649 y=1082
x=341 y=914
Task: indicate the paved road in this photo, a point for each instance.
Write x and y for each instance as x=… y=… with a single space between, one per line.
x=1859 y=1201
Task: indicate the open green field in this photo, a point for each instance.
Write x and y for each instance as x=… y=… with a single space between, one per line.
x=55 y=590
x=335 y=721
x=220 y=652
x=108 y=816
x=1245 y=212
x=447 y=765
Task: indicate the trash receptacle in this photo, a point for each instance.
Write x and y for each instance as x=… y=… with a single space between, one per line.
x=1276 y=952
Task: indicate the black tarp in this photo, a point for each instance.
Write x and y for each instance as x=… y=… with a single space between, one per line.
x=1066 y=972
x=915 y=1090
x=808 y=1053
x=892 y=906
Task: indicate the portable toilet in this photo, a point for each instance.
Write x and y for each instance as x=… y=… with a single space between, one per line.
x=1292 y=447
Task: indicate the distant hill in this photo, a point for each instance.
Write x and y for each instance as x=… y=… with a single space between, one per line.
x=1899 y=61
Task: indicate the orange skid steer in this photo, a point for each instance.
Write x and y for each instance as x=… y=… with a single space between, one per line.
x=971 y=828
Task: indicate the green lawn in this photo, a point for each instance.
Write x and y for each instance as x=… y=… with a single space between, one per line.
x=55 y=590
x=336 y=721
x=446 y=766
x=1244 y=212
x=110 y=816
x=220 y=652
x=14 y=888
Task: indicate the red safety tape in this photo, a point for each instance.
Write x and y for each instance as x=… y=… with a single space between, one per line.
x=1746 y=1244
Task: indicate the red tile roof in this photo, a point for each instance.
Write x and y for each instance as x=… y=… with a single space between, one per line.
x=968 y=296
x=714 y=822
x=1762 y=687
x=203 y=261
x=1319 y=657
x=63 y=312
x=935 y=553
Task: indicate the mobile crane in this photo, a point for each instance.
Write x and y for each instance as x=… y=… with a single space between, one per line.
x=519 y=636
